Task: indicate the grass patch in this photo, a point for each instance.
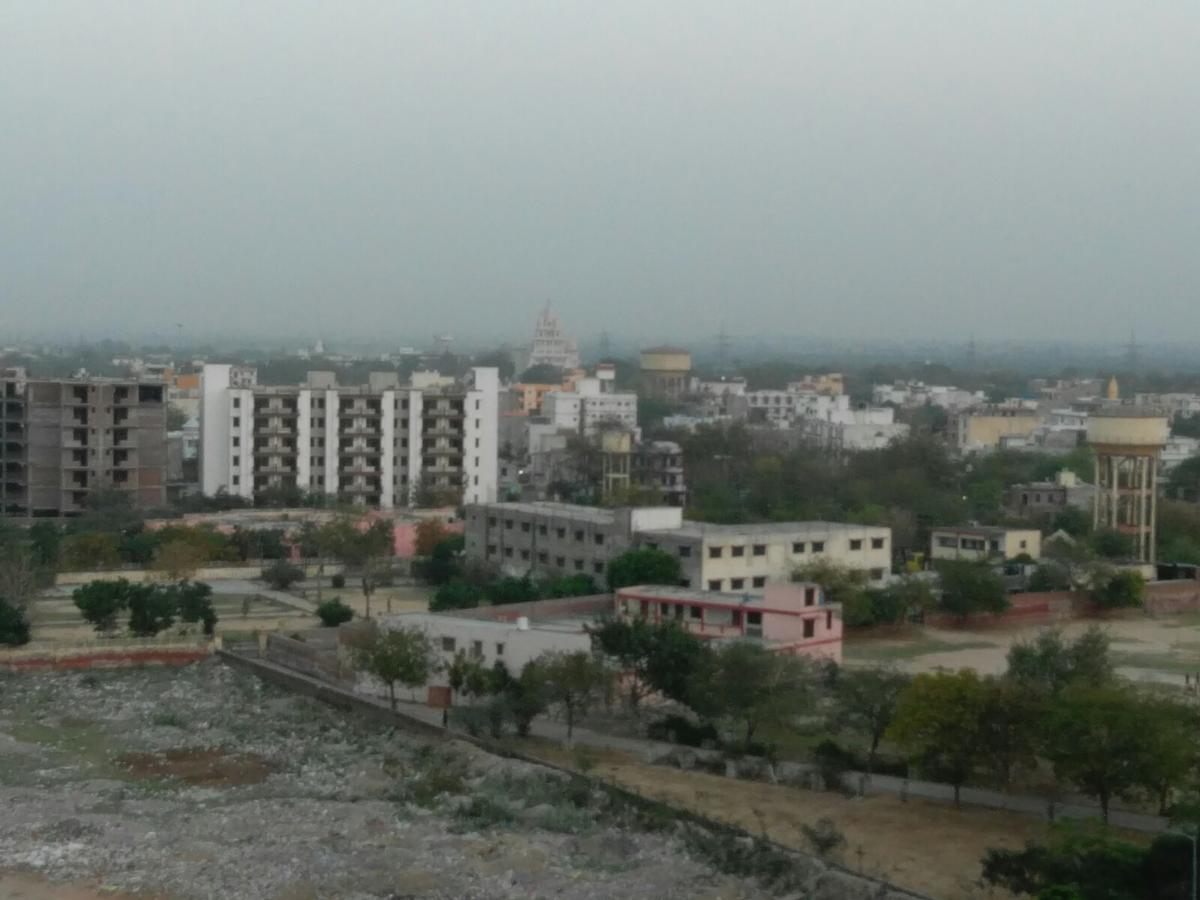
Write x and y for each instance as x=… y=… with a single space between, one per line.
x=1184 y=663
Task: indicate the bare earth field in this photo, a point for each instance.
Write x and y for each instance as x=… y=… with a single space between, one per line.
x=205 y=783
x=1146 y=649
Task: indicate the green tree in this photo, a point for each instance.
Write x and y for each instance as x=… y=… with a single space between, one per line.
x=90 y=550
x=176 y=417
x=152 y=609
x=526 y=697
x=1076 y=862
x=403 y=655
x=660 y=656
x=1094 y=737
x=969 y=588
x=1184 y=482
x=895 y=604
x=193 y=603
x=1049 y=663
x=866 y=702
x=750 y=688
x=179 y=559
x=456 y=594
x=1171 y=755
x=1112 y=544
x=1074 y=521
x=282 y=574
x=574 y=681
x=334 y=612
x=938 y=724
x=14 y=627
x=45 y=539
x=504 y=591
x=1122 y=590
x=100 y=602
x=443 y=563
x=642 y=565
x=1009 y=723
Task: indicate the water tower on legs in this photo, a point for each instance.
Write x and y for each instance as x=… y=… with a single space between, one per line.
x=1128 y=441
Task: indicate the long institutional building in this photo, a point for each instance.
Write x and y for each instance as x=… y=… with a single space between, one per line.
x=63 y=439
x=561 y=538
x=376 y=444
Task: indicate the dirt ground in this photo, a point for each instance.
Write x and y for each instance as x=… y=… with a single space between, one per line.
x=924 y=846
x=16 y=886
x=1144 y=648
x=208 y=766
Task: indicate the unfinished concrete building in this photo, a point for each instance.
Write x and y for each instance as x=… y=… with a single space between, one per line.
x=63 y=439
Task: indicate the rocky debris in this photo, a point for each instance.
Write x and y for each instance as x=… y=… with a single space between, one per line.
x=205 y=782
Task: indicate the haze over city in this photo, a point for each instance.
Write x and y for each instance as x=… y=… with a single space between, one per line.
x=858 y=170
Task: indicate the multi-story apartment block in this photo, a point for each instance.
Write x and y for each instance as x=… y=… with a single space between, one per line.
x=564 y=538
x=749 y=557
x=62 y=439
x=378 y=444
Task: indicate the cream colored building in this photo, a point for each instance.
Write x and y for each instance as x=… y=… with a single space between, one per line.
x=977 y=543
x=748 y=557
x=986 y=429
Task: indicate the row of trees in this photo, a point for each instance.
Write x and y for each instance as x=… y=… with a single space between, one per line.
x=151 y=607
x=1059 y=705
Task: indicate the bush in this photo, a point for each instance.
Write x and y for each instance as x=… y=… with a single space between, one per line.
x=14 y=627
x=281 y=574
x=338 y=581
x=334 y=612
x=824 y=836
x=676 y=729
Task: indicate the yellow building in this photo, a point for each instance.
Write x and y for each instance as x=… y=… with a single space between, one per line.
x=986 y=429
x=977 y=543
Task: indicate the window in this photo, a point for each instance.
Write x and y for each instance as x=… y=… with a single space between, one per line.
x=236 y=480
x=477 y=648
x=714 y=584
x=876 y=543
x=679 y=610
x=524 y=554
x=798 y=546
x=736 y=584
x=448 y=644
x=237 y=422
x=237 y=442
x=810 y=627
x=508 y=523
x=491 y=549
x=818 y=547
x=715 y=552
x=578 y=535
x=542 y=529
x=760 y=549
x=499 y=649
x=754 y=618
x=1022 y=545
x=856 y=544
x=737 y=550
x=599 y=539
x=829 y=619
x=944 y=541
x=543 y=557
x=560 y=561
x=598 y=568
x=525 y=527
x=237 y=402
x=810 y=596
x=876 y=574
x=562 y=533
x=579 y=565
x=694 y=612
x=492 y=521
x=685 y=551
x=508 y=552
x=758 y=581
x=237 y=461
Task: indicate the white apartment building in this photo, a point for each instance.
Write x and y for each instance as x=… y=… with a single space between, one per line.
x=376 y=443
x=917 y=393
x=590 y=407
x=777 y=407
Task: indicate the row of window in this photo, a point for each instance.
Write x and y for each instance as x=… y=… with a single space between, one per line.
x=544 y=530
x=798 y=547
x=544 y=558
x=722 y=617
x=450 y=645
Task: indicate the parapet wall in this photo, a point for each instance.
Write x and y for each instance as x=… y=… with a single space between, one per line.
x=107 y=655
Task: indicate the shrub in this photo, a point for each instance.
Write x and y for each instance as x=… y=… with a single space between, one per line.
x=824 y=836
x=334 y=612
x=338 y=581
x=14 y=627
x=281 y=574
x=678 y=729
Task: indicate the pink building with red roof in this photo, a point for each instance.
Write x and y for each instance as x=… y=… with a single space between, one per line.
x=788 y=618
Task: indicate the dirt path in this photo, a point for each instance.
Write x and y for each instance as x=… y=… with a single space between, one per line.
x=20 y=886
x=920 y=845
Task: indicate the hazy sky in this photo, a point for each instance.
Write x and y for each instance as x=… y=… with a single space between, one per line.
x=653 y=168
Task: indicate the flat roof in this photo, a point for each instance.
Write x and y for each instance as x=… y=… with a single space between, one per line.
x=553 y=508
x=991 y=530
x=691 y=528
x=673 y=594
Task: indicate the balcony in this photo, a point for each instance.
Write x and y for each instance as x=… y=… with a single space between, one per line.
x=282 y=428
x=358 y=469
x=270 y=450
x=360 y=489
x=360 y=429
x=440 y=428
x=275 y=469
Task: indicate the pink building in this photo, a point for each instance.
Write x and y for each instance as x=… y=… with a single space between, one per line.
x=788 y=618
